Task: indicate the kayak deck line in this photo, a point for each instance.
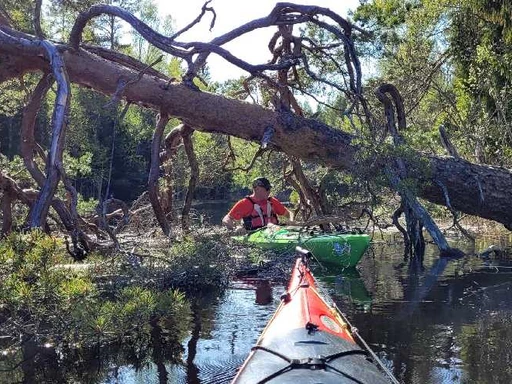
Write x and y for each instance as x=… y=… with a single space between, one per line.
x=308 y=341
x=313 y=363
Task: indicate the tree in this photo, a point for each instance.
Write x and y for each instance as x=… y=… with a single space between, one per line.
x=450 y=59
x=476 y=189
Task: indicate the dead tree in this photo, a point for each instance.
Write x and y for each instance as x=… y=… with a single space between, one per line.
x=474 y=189
x=194 y=176
x=416 y=216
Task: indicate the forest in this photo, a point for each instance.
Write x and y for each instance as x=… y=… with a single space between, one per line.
x=400 y=111
x=112 y=128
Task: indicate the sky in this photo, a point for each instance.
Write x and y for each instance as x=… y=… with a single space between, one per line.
x=231 y=14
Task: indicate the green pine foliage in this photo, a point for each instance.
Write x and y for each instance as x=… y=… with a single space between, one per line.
x=20 y=14
x=45 y=297
x=450 y=60
x=200 y=265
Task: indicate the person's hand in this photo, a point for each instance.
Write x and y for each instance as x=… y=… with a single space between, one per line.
x=273 y=228
x=240 y=231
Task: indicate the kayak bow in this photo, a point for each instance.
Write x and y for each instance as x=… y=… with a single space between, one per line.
x=307 y=341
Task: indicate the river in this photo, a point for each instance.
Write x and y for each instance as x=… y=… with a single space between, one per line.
x=440 y=321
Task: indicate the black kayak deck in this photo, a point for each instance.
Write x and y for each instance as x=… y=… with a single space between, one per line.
x=309 y=357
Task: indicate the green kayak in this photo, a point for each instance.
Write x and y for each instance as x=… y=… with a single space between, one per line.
x=334 y=249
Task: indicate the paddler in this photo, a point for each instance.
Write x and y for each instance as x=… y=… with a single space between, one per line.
x=258 y=209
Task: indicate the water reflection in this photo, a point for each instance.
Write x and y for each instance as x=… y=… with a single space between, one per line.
x=192 y=370
x=222 y=331
x=263 y=292
x=233 y=325
x=435 y=321
x=346 y=287
x=439 y=321
x=420 y=319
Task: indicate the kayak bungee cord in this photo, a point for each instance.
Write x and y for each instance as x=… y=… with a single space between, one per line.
x=310 y=363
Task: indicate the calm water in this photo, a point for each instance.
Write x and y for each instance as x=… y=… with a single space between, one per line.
x=442 y=321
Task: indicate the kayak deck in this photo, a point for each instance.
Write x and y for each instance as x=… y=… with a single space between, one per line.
x=307 y=341
x=299 y=356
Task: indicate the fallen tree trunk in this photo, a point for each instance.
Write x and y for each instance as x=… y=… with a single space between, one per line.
x=475 y=189
x=472 y=188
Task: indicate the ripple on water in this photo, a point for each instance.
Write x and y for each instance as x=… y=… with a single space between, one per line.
x=224 y=343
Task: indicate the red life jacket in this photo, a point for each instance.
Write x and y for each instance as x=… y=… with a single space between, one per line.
x=259 y=217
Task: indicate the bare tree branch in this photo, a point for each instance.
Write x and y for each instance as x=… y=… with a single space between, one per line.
x=154 y=172
x=204 y=9
x=194 y=176
x=5 y=203
x=40 y=209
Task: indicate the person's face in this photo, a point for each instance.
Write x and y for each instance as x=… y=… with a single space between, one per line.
x=261 y=193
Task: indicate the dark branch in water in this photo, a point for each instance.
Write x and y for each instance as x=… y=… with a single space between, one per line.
x=415 y=214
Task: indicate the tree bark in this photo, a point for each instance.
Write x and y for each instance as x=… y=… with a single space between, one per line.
x=154 y=173
x=39 y=211
x=171 y=143
x=309 y=192
x=194 y=176
x=28 y=147
x=28 y=142
x=475 y=189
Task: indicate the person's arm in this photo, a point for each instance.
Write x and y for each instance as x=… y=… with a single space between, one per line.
x=240 y=209
x=228 y=222
x=281 y=210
